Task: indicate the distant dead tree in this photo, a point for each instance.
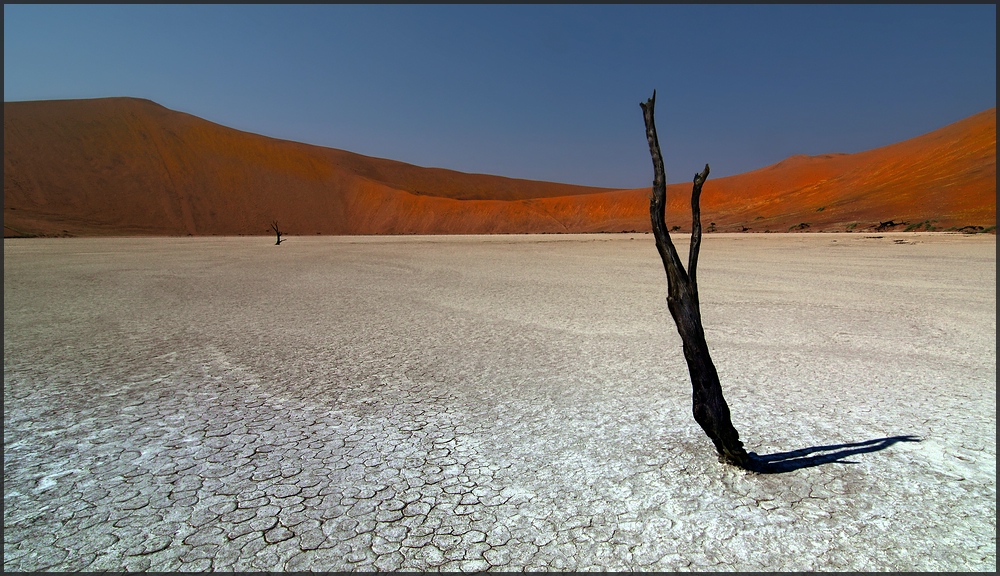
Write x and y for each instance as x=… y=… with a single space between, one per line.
x=709 y=407
x=882 y=226
x=274 y=226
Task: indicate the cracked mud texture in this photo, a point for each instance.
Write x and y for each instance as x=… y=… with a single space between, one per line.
x=505 y=402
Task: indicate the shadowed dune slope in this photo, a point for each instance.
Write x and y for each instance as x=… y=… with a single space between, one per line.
x=125 y=166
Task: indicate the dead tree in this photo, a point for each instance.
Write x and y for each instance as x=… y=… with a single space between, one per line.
x=709 y=407
x=882 y=226
x=274 y=226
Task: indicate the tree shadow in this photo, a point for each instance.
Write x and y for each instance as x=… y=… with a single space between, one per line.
x=781 y=462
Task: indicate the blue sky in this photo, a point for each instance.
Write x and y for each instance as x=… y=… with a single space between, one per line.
x=544 y=92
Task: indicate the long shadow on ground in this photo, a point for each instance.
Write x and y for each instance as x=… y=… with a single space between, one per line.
x=780 y=462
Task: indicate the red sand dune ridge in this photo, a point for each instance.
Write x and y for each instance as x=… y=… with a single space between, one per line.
x=125 y=166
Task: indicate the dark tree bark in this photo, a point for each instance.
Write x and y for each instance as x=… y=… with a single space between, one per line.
x=274 y=226
x=710 y=408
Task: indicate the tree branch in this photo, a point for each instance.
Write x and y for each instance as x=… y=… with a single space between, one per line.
x=658 y=200
x=699 y=180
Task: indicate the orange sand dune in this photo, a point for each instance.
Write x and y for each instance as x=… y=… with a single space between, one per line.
x=124 y=166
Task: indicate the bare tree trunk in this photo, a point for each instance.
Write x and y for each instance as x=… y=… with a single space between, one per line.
x=710 y=408
x=274 y=226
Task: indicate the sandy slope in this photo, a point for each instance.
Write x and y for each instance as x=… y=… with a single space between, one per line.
x=503 y=402
x=122 y=166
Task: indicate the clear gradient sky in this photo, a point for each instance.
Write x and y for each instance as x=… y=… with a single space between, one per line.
x=540 y=92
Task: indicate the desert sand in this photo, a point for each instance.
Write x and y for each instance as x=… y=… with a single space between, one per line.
x=125 y=167
x=495 y=402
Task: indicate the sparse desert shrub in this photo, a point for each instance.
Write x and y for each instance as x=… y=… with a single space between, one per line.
x=852 y=225
x=925 y=225
x=799 y=226
x=972 y=229
x=821 y=208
